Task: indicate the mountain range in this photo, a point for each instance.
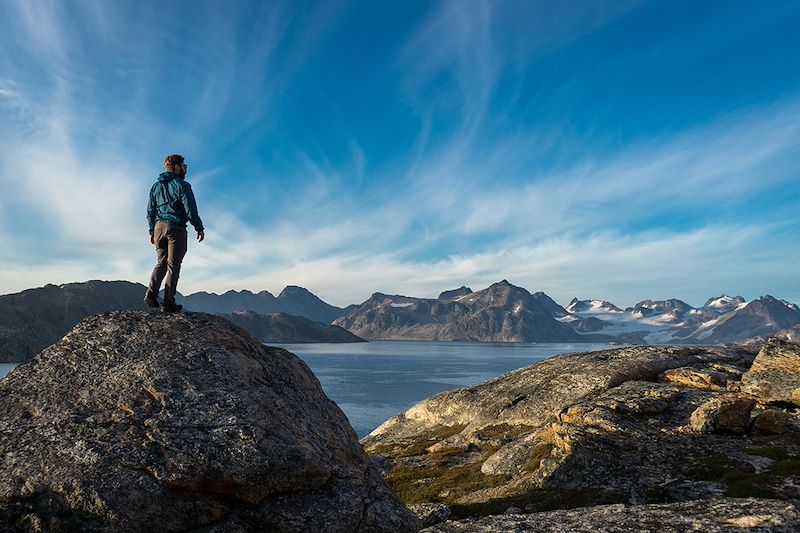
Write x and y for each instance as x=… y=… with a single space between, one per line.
x=292 y=300
x=507 y=313
x=499 y=313
x=502 y=312
x=723 y=319
x=280 y=328
x=35 y=318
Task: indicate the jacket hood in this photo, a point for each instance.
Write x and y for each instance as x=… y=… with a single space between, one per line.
x=166 y=176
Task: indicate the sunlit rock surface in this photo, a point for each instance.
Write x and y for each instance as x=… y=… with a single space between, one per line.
x=585 y=429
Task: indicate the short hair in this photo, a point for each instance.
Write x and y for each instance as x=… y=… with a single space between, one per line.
x=172 y=160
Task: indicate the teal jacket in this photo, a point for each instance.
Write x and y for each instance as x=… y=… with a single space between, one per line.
x=172 y=199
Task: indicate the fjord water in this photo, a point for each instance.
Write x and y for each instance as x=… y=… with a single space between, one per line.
x=375 y=381
x=5 y=368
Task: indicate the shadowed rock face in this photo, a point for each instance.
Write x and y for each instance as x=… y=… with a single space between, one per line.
x=150 y=422
x=633 y=425
x=709 y=516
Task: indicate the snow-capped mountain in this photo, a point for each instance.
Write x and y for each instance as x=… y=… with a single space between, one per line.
x=591 y=306
x=725 y=303
x=721 y=319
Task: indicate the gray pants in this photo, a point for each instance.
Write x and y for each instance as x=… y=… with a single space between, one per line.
x=171 y=243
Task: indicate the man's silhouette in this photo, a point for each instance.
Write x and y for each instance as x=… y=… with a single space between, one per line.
x=171 y=206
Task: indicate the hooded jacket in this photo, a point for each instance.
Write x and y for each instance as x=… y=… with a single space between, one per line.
x=172 y=199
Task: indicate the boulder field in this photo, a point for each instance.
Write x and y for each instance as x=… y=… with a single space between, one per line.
x=581 y=436
x=140 y=421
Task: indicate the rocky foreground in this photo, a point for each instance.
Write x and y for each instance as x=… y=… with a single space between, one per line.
x=707 y=516
x=141 y=421
x=636 y=426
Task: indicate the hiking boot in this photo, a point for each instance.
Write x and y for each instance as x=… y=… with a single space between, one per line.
x=171 y=308
x=150 y=299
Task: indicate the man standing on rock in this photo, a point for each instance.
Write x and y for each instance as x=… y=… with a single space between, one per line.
x=171 y=206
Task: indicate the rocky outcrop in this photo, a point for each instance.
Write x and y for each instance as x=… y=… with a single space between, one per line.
x=709 y=516
x=726 y=413
x=141 y=421
x=280 y=328
x=775 y=374
x=634 y=425
x=499 y=313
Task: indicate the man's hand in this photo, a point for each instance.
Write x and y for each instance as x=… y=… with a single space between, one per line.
x=200 y=236
x=152 y=239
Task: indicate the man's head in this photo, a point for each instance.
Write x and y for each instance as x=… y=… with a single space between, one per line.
x=175 y=163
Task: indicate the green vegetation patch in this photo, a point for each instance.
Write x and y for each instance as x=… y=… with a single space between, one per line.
x=740 y=479
x=775 y=454
x=503 y=432
x=419 y=445
x=539 y=453
x=538 y=500
x=785 y=463
x=437 y=482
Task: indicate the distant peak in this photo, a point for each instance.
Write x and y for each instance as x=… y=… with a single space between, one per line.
x=455 y=293
x=294 y=290
x=724 y=300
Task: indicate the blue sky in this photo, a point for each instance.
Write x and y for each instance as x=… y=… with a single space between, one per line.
x=616 y=150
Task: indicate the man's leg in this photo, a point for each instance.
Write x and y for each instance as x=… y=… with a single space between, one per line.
x=160 y=270
x=176 y=249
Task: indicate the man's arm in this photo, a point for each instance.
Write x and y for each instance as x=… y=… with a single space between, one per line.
x=190 y=206
x=151 y=214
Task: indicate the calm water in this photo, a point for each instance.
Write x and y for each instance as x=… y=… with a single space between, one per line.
x=5 y=368
x=374 y=381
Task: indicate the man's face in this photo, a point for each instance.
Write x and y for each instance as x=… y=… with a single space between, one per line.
x=180 y=170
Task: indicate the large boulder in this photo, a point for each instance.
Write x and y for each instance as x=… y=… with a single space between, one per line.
x=140 y=421
x=726 y=413
x=775 y=374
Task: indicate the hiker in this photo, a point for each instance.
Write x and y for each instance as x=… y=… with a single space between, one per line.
x=171 y=206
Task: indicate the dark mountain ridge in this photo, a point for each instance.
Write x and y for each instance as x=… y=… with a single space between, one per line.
x=500 y=313
x=292 y=300
x=35 y=318
x=280 y=328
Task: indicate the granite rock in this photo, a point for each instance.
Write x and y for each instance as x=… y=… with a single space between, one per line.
x=771 y=421
x=775 y=374
x=726 y=413
x=140 y=421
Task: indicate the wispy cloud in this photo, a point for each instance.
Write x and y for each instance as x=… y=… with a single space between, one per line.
x=471 y=193
x=558 y=232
